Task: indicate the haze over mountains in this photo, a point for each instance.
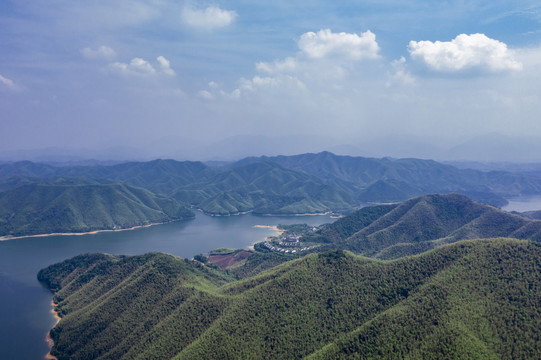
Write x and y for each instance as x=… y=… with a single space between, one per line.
x=489 y=147
x=287 y=185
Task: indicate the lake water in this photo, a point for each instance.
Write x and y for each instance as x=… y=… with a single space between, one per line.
x=25 y=305
x=523 y=204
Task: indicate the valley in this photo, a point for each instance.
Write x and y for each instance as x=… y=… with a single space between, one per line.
x=177 y=306
x=328 y=300
x=165 y=190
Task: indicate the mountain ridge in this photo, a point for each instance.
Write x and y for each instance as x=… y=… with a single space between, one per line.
x=423 y=223
x=450 y=302
x=305 y=183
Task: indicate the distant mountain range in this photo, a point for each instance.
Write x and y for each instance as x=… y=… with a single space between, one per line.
x=472 y=299
x=307 y=183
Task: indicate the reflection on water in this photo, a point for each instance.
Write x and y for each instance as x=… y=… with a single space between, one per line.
x=523 y=204
x=25 y=304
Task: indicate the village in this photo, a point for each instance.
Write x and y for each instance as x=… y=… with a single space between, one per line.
x=289 y=242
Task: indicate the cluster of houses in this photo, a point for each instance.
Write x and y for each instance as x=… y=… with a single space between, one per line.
x=292 y=241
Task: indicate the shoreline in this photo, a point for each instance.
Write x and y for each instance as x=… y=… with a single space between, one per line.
x=264 y=214
x=9 y=237
x=48 y=338
x=293 y=215
x=271 y=227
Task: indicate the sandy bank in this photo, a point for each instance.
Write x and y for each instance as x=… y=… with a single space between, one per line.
x=271 y=227
x=48 y=337
x=9 y=237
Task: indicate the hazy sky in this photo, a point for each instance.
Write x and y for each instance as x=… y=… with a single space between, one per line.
x=101 y=73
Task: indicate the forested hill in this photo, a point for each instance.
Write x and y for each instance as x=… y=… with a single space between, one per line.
x=400 y=179
x=267 y=188
x=52 y=208
x=159 y=176
x=472 y=299
x=423 y=223
x=307 y=183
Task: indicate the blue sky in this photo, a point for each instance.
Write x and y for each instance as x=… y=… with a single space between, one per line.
x=166 y=77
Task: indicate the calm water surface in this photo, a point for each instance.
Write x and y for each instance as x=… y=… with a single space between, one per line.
x=25 y=305
x=523 y=204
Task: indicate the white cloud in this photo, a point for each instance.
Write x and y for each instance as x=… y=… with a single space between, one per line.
x=325 y=60
x=9 y=84
x=138 y=66
x=258 y=82
x=476 y=51
x=400 y=73
x=325 y=43
x=102 y=53
x=270 y=83
x=208 y=19
x=165 y=66
x=207 y=95
x=287 y=65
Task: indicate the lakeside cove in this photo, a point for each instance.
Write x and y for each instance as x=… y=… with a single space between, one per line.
x=20 y=260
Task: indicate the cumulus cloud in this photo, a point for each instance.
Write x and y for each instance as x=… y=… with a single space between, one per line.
x=325 y=43
x=102 y=53
x=476 y=51
x=208 y=19
x=138 y=66
x=165 y=66
x=325 y=54
x=324 y=60
x=400 y=74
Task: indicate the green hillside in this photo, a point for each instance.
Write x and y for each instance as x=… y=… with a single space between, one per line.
x=266 y=188
x=158 y=176
x=423 y=223
x=49 y=208
x=473 y=299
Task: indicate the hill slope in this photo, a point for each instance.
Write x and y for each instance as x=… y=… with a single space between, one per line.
x=158 y=176
x=423 y=223
x=265 y=188
x=472 y=299
x=46 y=208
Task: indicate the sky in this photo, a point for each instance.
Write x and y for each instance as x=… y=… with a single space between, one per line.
x=222 y=79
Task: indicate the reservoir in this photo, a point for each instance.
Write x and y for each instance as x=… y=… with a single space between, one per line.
x=25 y=305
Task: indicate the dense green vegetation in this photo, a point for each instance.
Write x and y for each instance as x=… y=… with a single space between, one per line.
x=471 y=299
x=266 y=188
x=158 y=176
x=422 y=223
x=51 y=208
x=307 y=183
